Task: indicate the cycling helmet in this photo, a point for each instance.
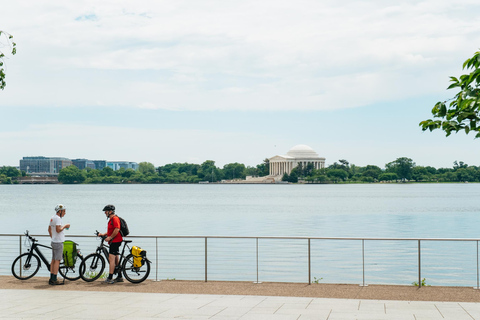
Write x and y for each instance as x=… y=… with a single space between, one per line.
x=60 y=207
x=109 y=207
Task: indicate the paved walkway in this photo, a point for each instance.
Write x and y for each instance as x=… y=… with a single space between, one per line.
x=62 y=304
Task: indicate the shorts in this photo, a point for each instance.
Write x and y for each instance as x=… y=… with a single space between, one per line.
x=114 y=248
x=57 y=251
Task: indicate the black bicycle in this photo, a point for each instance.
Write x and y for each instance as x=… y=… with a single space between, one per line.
x=27 y=264
x=93 y=266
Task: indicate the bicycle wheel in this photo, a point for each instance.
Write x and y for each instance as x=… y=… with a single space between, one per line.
x=71 y=273
x=134 y=274
x=92 y=267
x=25 y=266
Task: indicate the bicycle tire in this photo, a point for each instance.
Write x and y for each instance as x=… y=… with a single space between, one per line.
x=24 y=268
x=73 y=273
x=92 y=267
x=134 y=274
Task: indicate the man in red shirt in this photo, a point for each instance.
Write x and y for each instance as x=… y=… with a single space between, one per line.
x=114 y=239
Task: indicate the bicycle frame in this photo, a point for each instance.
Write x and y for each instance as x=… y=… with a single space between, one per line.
x=102 y=248
x=34 y=248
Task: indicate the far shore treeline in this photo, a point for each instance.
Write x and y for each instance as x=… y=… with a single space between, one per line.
x=401 y=170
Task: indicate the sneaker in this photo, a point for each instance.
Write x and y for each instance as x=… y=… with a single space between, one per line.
x=119 y=279
x=55 y=283
x=109 y=281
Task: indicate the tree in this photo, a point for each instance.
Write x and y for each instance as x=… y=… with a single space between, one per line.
x=388 y=176
x=234 y=171
x=402 y=167
x=146 y=167
x=264 y=168
x=12 y=48
x=71 y=174
x=209 y=172
x=372 y=171
x=337 y=174
x=463 y=112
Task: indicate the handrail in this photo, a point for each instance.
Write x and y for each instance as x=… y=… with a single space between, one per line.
x=265 y=237
x=308 y=239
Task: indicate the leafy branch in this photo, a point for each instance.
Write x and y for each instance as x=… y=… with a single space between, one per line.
x=463 y=111
x=12 y=48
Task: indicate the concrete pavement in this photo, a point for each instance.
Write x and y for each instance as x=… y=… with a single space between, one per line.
x=62 y=304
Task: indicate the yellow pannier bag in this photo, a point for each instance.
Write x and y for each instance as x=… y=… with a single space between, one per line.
x=139 y=256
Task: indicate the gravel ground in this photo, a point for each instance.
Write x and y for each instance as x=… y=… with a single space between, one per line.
x=342 y=291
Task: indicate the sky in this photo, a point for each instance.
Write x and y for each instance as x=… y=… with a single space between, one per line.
x=233 y=81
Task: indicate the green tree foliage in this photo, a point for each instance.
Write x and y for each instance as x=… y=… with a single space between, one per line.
x=463 y=112
x=341 y=172
x=388 y=176
x=6 y=40
x=71 y=174
x=146 y=168
x=234 y=171
x=209 y=172
x=402 y=167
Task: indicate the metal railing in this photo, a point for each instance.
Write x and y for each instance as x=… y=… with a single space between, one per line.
x=214 y=252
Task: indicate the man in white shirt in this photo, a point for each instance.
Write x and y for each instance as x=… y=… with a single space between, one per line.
x=55 y=229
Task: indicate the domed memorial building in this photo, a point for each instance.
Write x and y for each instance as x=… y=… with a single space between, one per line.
x=279 y=165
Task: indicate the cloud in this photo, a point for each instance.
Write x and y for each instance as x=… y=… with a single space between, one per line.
x=249 y=55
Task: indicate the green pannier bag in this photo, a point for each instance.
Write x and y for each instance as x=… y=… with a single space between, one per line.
x=69 y=253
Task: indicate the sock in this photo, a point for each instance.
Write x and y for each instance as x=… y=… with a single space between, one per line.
x=54 y=276
x=119 y=275
x=51 y=277
x=110 y=276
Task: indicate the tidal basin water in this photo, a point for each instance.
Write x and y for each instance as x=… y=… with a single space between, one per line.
x=360 y=211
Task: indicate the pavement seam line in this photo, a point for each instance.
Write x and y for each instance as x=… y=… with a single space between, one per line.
x=438 y=310
x=329 y=314
x=359 y=303
x=206 y=304
x=279 y=308
x=309 y=304
x=217 y=313
x=385 y=308
x=466 y=311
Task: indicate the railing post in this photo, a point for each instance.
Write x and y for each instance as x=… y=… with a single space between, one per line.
x=20 y=246
x=309 y=264
x=205 y=259
x=363 y=262
x=256 y=250
x=419 y=266
x=156 y=258
x=477 y=265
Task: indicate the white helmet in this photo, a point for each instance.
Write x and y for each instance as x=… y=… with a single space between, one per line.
x=60 y=207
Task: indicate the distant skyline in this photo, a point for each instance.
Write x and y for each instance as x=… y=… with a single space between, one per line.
x=190 y=81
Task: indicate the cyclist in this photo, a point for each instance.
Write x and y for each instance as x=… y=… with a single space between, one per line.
x=114 y=239
x=55 y=230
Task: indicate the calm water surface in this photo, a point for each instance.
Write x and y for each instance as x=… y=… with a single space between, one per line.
x=371 y=210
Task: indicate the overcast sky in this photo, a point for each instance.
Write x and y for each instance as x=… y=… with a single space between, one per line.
x=233 y=81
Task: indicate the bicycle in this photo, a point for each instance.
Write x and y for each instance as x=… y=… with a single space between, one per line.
x=32 y=262
x=93 y=265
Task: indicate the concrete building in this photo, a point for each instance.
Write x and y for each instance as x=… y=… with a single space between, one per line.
x=83 y=163
x=300 y=154
x=100 y=164
x=116 y=165
x=44 y=165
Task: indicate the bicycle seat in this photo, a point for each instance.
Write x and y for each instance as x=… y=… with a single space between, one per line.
x=127 y=241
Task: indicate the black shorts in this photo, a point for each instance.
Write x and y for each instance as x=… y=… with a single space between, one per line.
x=114 y=248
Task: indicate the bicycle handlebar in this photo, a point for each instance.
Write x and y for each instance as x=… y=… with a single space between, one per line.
x=30 y=237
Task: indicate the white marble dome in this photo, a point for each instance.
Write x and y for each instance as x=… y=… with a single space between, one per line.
x=302 y=151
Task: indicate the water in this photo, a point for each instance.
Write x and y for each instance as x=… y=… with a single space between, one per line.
x=370 y=210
